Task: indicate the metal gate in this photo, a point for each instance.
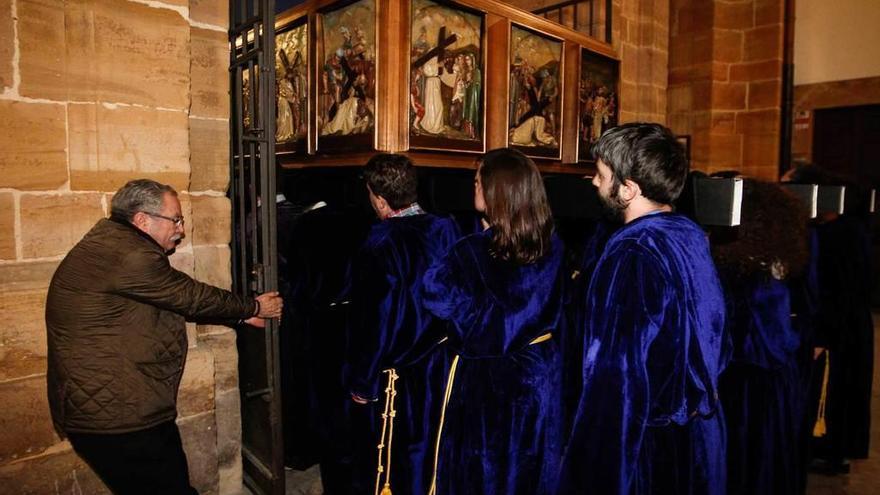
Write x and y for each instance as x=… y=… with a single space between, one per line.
x=252 y=191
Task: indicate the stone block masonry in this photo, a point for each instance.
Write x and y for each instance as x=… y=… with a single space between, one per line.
x=94 y=93
x=725 y=83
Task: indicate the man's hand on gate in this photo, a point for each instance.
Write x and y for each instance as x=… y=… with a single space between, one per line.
x=270 y=305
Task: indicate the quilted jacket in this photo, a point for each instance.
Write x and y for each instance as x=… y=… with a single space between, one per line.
x=115 y=317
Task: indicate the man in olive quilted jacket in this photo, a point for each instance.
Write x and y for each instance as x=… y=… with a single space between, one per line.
x=115 y=317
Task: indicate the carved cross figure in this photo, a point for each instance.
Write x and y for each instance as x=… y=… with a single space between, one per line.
x=285 y=62
x=350 y=78
x=438 y=51
x=536 y=106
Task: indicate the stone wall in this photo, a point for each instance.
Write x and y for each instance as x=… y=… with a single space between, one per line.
x=641 y=36
x=94 y=93
x=725 y=73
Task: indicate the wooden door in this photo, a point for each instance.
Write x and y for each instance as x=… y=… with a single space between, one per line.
x=847 y=140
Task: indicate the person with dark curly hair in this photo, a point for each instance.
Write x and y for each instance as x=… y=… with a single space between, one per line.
x=760 y=389
x=648 y=420
x=501 y=289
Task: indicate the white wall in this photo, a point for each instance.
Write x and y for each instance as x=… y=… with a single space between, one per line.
x=836 y=40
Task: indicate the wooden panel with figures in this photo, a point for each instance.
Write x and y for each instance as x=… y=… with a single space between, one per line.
x=535 y=93
x=292 y=87
x=446 y=92
x=598 y=100
x=346 y=106
x=439 y=80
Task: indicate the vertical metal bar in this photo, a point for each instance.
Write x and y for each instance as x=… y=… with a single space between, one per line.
x=608 y=21
x=244 y=15
x=239 y=247
x=253 y=84
x=258 y=37
x=254 y=210
x=787 y=120
x=592 y=16
x=254 y=87
x=269 y=231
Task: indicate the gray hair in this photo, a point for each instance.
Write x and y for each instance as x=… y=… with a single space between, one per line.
x=139 y=195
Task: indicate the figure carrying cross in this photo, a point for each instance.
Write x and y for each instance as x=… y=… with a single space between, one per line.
x=531 y=129
x=430 y=64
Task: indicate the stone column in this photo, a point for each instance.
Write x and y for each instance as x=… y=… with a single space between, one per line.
x=725 y=83
x=640 y=34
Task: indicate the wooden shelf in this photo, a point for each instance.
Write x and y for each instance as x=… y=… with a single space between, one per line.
x=420 y=159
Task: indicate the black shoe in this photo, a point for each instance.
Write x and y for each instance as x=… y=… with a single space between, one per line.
x=829 y=467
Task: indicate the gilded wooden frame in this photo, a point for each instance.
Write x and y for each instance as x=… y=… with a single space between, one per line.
x=297 y=143
x=364 y=137
x=536 y=151
x=419 y=141
x=598 y=91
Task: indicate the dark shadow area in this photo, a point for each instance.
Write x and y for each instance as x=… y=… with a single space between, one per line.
x=323 y=219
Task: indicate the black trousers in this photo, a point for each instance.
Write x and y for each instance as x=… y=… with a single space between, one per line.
x=143 y=462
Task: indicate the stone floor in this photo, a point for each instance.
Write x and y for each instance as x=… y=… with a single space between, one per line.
x=304 y=482
x=864 y=478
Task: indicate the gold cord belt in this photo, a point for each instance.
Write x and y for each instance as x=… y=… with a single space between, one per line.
x=819 y=428
x=537 y=340
x=387 y=427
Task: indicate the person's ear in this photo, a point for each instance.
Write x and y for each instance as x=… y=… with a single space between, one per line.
x=629 y=190
x=382 y=206
x=141 y=220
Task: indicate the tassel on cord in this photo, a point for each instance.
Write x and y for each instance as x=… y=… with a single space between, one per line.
x=387 y=427
x=819 y=429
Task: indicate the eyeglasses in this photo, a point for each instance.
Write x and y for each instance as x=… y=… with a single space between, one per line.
x=178 y=221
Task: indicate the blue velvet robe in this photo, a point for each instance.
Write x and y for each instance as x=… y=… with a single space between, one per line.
x=649 y=418
x=500 y=433
x=572 y=335
x=390 y=328
x=761 y=390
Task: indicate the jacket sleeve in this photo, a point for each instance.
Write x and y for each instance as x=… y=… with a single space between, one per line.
x=148 y=277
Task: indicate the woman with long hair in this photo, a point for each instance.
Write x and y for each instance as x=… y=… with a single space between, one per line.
x=500 y=289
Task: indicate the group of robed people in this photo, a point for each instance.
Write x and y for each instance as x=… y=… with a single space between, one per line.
x=426 y=354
